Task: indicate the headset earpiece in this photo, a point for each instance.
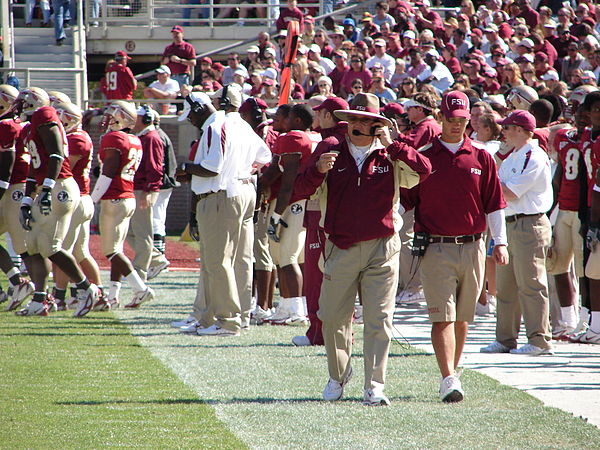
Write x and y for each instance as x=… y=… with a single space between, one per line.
x=256 y=111
x=224 y=101
x=195 y=107
x=147 y=118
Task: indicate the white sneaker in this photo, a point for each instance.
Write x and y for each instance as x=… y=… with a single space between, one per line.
x=358 y=314
x=583 y=324
x=532 y=350
x=86 y=300
x=590 y=337
x=301 y=341
x=451 y=389
x=260 y=315
x=495 y=347
x=34 y=309
x=141 y=297
x=407 y=297
x=20 y=293
x=375 y=397
x=296 y=320
x=334 y=389
x=154 y=271
x=190 y=328
x=281 y=314
x=181 y=323
x=215 y=330
x=562 y=332
x=245 y=324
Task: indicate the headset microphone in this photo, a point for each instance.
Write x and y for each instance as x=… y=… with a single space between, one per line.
x=372 y=132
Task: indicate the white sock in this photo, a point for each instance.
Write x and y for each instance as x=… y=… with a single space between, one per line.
x=284 y=304
x=568 y=316
x=584 y=314
x=115 y=288
x=136 y=282
x=12 y=272
x=304 y=307
x=595 y=321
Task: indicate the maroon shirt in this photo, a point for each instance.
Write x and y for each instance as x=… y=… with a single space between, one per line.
x=548 y=49
x=80 y=144
x=542 y=135
x=118 y=83
x=462 y=188
x=359 y=204
x=286 y=13
x=351 y=75
x=422 y=134
x=532 y=17
x=20 y=168
x=337 y=76
x=149 y=175
x=184 y=50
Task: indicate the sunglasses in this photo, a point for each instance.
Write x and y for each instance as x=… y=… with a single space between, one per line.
x=356 y=60
x=356 y=86
x=323 y=85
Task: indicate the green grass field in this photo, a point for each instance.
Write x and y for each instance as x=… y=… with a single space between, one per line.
x=127 y=379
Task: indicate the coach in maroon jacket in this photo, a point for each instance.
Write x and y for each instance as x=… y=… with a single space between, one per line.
x=357 y=180
x=452 y=210
x=146 y=184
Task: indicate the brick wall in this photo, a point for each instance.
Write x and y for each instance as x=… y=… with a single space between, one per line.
x=181 y=134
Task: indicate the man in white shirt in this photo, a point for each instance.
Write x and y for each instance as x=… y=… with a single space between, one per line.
x=314 y=54
x=222 y=182
x=436 y=74
x=381 y=57
x=523 y=284
x=163 y=88
x=234 y=64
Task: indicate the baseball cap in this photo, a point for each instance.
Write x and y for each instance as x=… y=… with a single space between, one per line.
x=379 y=43
x=492 y=27
x=587 y=76
x=367 y=17
x=193 y=97
x=526 y=58
x=282 y=33
x=423 y=3
x=122 y=55
x=337 y=30
x=433 y=52
x=248 y=105
x=520 y=118
x=332 y=104
x=450 y=47
x=550 y=24
x=476 y=31
x=270 y=51
x=234 y=94
x=163 y=69
x=177 y=28
x=269 y=73
x=240 y=72
x=314 y=48
x=341 y=54
x=205 y=59
x=551 y=75
x=526 y=43
x=490 y=72
x=473 y=63
x=268 y=82
x=349 y=21
x=409 y=34
x=218 y=66
x=455 y=104
x=253 y=49
x=309 y=19
x=392 y=109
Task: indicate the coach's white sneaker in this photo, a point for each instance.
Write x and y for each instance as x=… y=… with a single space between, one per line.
x=282 y=312
x=86 y=300
x=154 y=271
x=451 y=390
x=182 y=323
x=495 y=347
x=260 y=315
x=34 y=309
x=375 y=396
x=215 y=330
x=407 y=297
x=334 y=389
x=532 y=350
x=20 y=293
x=301 y=341
x=190 y=328
x=590 y=337
x=141 y=297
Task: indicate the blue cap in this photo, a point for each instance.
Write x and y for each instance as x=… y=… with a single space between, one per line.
x=349 y=21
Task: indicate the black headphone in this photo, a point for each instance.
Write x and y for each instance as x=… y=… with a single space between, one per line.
x=257 y=113
x=148 y=117
x=195 y=107
x=224 y=101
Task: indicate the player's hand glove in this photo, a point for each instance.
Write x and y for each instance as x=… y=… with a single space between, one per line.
x=26 y=217
x=276 y=226
x=46 y=201
x=194 y=233
x=592 y=238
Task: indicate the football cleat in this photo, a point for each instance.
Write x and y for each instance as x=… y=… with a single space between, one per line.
x=141 y=297
x=34 y=309
x=86 y=300
x=21 y=291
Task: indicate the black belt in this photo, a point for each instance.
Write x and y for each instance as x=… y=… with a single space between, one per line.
x=511 y=219
x=454 y=239
x=206 y=194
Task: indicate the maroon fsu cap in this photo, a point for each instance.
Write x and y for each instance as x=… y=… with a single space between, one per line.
x=177 y=28
x=122 y=55
x=523 y=119
x=332 y=104
x=251 y=103
x=455 y=104
x=392 y=109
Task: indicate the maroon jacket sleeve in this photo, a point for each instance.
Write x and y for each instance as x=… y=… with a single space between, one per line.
x=308 y=181
x=412 y=158
x=151 y=166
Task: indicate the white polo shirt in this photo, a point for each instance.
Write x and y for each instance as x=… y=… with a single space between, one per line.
x=526 y=172
x=228 y=147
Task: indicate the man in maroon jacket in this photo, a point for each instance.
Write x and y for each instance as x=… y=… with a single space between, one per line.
x=146 y=184
x=420 y=111
x=449 y=224
x=357 y=181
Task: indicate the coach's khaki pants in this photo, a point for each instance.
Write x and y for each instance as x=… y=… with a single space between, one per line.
x=226 y=239
x=523 y=284
x=140 y=235
x=373 y=264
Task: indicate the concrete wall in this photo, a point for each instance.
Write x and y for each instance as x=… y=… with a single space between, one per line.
x=181 y=134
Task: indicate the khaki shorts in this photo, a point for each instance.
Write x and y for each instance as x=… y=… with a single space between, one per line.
x=452 y=277
x=48 y=232
x=290 y=249
x=114 y=223
x=10 y=210
x=568 y=244
x=77 y=241
x=262 y=255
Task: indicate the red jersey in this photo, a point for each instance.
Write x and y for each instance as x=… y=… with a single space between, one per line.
x=184 y=50
x=119 y=83
x=130 y=148
x=9 y=132
x=39 y=155
x=20 y=168
x=542 y=135
x=80 y=144
x=566 y=145
x=590 y=149
x=290 y=143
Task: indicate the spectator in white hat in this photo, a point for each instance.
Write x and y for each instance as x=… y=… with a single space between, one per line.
x=163 y=88
x=381 y=57
x=314 y=54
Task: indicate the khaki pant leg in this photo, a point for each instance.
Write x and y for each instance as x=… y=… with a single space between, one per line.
x=531 y=240
x=336 y=305
x=81 y=247
x=243 y=256
x=409 y=279
x=140 y=236
x=262 y=255
x=378 y=284
x=219 y=223
x=114 y=222
x=200 y=308
x=11 y=209
x=508 y=308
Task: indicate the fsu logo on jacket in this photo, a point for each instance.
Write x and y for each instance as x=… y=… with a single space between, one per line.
x=296 y=208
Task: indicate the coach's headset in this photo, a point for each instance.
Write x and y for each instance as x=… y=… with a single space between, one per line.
x=148 y=117
x=257 y=113
x=196 y=107
x=224 y=101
